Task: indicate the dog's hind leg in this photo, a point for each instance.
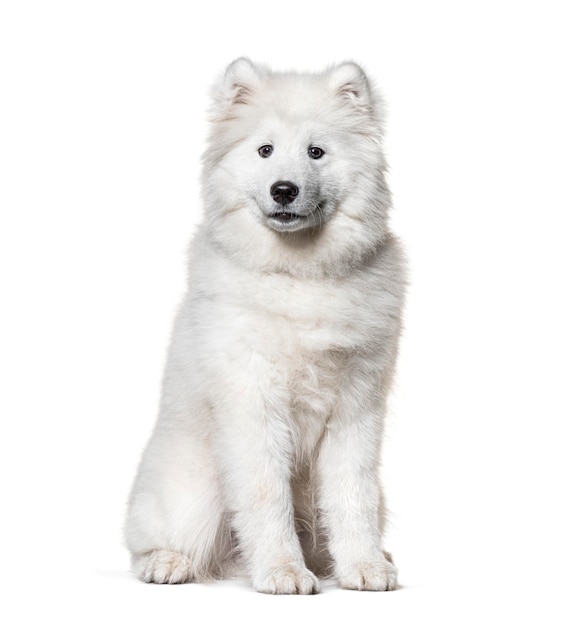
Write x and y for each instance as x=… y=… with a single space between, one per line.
x=177 y=529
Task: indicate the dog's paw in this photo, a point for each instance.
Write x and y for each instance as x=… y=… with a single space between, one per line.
x=288 y=579
x=369 y=576
x=166 y=567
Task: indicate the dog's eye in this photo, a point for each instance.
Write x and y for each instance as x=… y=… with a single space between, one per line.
x=315 y=153
x=265 y=151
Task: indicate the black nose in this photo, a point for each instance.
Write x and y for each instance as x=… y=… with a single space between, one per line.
x=284 y=192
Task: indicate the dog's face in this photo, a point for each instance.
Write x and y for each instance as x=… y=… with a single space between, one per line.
x=285 y=171
x=288 y=148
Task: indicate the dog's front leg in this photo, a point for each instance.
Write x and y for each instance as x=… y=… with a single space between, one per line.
x=350 y=502
x=254 y=449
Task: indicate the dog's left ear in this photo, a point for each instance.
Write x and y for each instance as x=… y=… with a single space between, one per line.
x=238 y=84
x=241 y=78
x=349 y=81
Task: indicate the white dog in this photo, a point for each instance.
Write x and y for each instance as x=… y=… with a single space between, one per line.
x=266 y=452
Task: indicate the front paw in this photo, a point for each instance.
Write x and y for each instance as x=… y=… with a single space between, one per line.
x=287 y=579
x=369 y=576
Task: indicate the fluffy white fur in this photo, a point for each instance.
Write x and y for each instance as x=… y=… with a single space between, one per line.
x=265 y=457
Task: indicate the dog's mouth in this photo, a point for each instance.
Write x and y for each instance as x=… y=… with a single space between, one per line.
x=286 y=217
x=284 y=220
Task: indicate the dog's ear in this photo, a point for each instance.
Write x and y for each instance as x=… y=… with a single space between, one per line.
x=239 y=82
x=349 y=81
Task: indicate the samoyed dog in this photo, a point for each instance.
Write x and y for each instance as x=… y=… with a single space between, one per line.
x=264 y=461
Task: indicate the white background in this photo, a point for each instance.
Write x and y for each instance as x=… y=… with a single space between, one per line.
x=102 y=121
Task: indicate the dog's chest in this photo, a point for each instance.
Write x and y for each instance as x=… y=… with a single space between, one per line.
x=297 y=339
x=313 y=317
x=310 y=332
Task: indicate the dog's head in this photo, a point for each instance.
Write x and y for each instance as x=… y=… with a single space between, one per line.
x=291 y=148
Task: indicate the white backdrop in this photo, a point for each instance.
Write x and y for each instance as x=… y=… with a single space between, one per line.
x=102 y=122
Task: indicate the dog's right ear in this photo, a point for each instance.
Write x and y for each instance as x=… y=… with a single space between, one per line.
x=237 y=85
x=349 y=82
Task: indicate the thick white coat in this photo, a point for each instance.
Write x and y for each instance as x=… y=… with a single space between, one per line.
x=265 y=456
